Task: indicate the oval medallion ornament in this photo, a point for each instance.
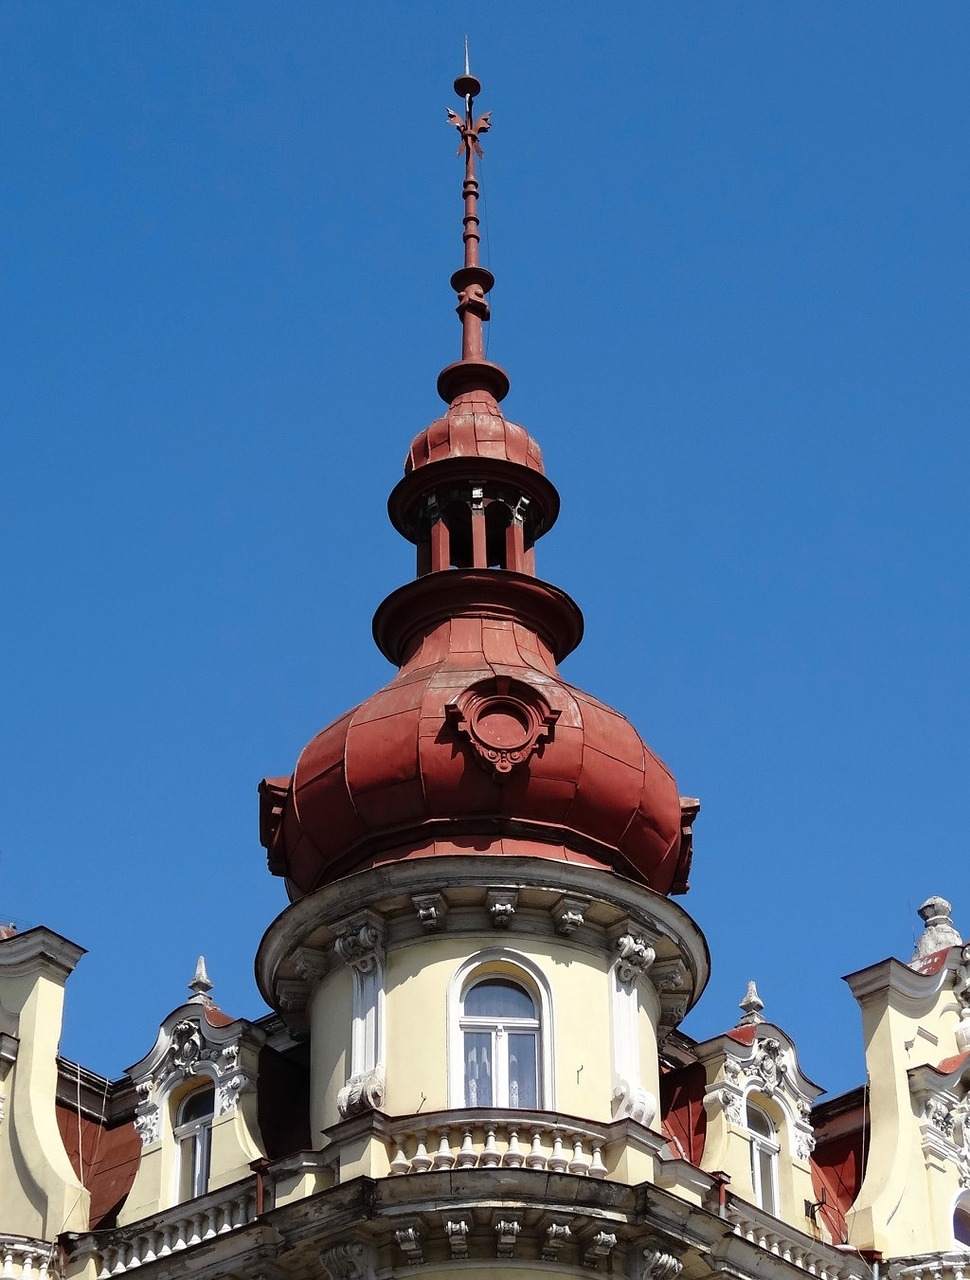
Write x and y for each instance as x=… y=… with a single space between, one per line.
x=505 y=720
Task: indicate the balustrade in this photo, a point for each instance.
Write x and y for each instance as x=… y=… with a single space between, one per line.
x=22 y=1258
x=181 y=1228
x=462 y=1141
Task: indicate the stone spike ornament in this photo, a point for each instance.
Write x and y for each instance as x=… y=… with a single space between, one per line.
x=751 y=1007
x=201 y=984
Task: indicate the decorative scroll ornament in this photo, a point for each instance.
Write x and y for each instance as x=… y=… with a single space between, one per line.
x=658 y=1265
x=635 y=957
x=362 y=1093
x=504 y=721
x=769 y=1065
x=348 y=1260
x=962 y=990
x=360 y=948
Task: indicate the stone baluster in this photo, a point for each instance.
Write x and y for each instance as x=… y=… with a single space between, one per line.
x=514 y=1156
x=444 y=1157
x=578 y=1164
x=597 y=1169
x=535 y=1159
x=421 y=1162
x=490 y=1155
x=400 y=1163
x=467 y=1159
x=557 y=1161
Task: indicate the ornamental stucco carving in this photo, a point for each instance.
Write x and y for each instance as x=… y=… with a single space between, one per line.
x=504 y=721
x=360 y=948
x=430 y=909
x=943 y=1122
x=348 y=1260
x=767 y=1068
x=658 y=1265
x=191 y=1047
x=361 y=1093
x=635 y=957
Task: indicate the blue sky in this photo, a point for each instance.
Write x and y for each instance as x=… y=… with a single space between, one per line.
x=731 y=248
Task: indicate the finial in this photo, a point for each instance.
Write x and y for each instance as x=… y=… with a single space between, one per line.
x=473 y=281
x=751 y=1007
x=200 y=986
x=940 y=931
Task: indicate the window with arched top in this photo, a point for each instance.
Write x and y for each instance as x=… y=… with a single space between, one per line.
x=500 y=1031
x=961 y=1221
x=764 y=1158
x=193 y=1142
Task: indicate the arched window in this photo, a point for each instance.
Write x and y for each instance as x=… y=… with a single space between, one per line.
x=193 y=1141
x=764 y=1158
x=961 y=1221
x=500 y=1044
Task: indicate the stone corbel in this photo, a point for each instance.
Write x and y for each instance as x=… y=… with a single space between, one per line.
x=359 y=942
x=558 y=1236
x=599 y=1248
x=456 y=1230
x=569 y=914
x=501 y=905
x=430 y=909
x=409 y=1242
x=507 y=1233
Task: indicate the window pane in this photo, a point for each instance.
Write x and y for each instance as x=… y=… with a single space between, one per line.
x=961 y=1224
x=758 y=1122
x=498 y=998
x=196 y=1105
x=478 y=1069
x=523 y=1076
x=766 y=1163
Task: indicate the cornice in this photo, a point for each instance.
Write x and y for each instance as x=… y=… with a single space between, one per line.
x=898 y=979
x=36 y=950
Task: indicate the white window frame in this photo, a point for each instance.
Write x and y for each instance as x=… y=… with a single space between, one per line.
x=500 y=1030
x=763 y=1147
x=500 y=962
x=193 y=1142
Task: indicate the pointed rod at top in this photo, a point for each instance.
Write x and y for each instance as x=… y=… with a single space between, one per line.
x=473 y=281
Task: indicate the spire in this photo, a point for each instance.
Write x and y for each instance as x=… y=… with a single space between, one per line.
x=751 y=1007
x=473 y=281
x=201 y=985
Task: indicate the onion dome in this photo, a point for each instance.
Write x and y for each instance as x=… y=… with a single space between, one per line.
x=477 y=745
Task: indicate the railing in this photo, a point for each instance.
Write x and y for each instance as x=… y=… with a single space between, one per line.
x=22 y=1258
x=508 y=1140
x=187 y=1225
x=791 y=1245
x=951 y=1265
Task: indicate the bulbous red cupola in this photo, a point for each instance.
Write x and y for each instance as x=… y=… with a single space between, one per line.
x=477 y=745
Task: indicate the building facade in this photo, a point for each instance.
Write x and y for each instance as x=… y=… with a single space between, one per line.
x=473 y=1060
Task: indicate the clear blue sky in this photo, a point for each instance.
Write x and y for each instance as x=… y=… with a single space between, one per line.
x=731 y=243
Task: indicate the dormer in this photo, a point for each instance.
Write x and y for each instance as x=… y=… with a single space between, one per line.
x=196 y=1112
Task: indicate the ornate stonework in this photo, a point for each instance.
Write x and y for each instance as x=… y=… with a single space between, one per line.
x=504 y=721
x=634 y=957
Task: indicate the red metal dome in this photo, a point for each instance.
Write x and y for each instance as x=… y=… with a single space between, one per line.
x=477 y=745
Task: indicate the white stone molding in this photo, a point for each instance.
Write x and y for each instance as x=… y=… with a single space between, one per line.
x=672 y=984
x=27 y=1258
x=768 y=1067
x=360 y=945
x=188 y=1045
x=569 y=914
x=501 y=904
x=942 y=1104
x=657 y=1265
x=430 y=909
x=630 y=1097
x=502 y=962
x=962 y=991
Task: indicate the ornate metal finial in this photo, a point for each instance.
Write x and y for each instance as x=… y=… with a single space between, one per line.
x=751 y=1007
x=200 y=986
x=473 y=282
x=940 y=931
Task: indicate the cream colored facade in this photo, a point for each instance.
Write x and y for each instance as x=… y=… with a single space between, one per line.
x=399 y=1172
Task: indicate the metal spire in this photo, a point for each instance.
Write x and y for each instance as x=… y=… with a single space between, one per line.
x=473 y=281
